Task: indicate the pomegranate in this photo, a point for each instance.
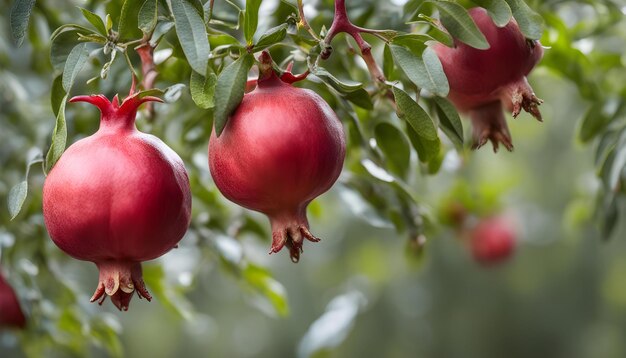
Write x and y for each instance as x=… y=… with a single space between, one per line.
x=483 y=81
x=117 y=198
x=493 y=240
x=11 y=314
x=281 y=148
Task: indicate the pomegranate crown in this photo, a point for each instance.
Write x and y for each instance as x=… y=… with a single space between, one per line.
x=110 y=109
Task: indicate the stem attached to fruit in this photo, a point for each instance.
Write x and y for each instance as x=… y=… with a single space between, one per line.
x=341 y=23
x=148 y=71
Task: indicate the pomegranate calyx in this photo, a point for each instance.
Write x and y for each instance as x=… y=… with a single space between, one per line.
x=291 y=230
x=119 y=280
x=292 y=237
x=523 y=97
x=489 y=124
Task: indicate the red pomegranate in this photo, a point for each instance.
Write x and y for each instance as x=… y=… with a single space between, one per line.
x=281 y=148
x=11 y=314
x=117 y=198
x=482 y=81
x=493 y=240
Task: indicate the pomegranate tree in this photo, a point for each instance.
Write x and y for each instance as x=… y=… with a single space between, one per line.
x=493 y=240
x=11 y=314
x=482 y=82
x=117 y=198
x=281 y=148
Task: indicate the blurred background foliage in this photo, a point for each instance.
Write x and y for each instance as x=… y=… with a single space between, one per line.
x=371 y=288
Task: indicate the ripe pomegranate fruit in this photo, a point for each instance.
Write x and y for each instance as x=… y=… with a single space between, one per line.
x=493 y=240
x=483 y=81
x=117 y=198
x=281 y=148
x=11 y=314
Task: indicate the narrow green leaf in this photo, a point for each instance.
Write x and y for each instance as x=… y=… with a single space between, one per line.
x=449 y=121
x=203 y=89
x=16 y=198
x=415 y=42
x=262 y=281
x=427 y=150
x=343 y=87
x=60 y=47
x=56 y=94
x=424 y=137
x=361 y=98
x=395 y=146
x=59 y=138
x=530 y=22
x=19 y=18
x=192 y=34
x=75 y=62
x=229 y=90
x=457 y=21
x=617 y=165
x=147 y=18
x=388 y=65
x=18 y=193
x=128 y=27
x=425 y=71
x=109 y=23
x=251 y=19
x=95 y=20
x=272 y=36
x=593 y=122
x=499 y=11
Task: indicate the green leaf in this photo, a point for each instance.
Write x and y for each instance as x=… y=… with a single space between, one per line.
x=251 y=19
x=62 y=41
x=617 y=164
x=499 y=11
x=388 y=65
x=203 y=89
x=56 y=94
x=18 y=193
x=593 y=122
x=530 y=22
x=270 y=37
x=147 y=18
x=415 y=42
x=361 y=98
x=166 y=294
x=59 y=138
x=343 y=87
x=229 y=90
x=19 y=17
x=75 y=62
x=395 y=146
x=457 y=21
x=16 y=199
x=425 y=71
x=262 y=281
x=424 y=133
x=449 y=121
x=128 y=27
x=95 y=20
x=192 y=34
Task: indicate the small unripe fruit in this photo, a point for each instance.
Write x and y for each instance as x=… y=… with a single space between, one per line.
x=483 y=81
x=117 y=198
x=281 y=148
x=493 y=240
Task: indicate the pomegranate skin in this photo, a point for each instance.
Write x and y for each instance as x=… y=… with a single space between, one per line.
x=281 y=148
x=493 y=240
x=479 y=79
x=117 y=198
x=11 y=314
